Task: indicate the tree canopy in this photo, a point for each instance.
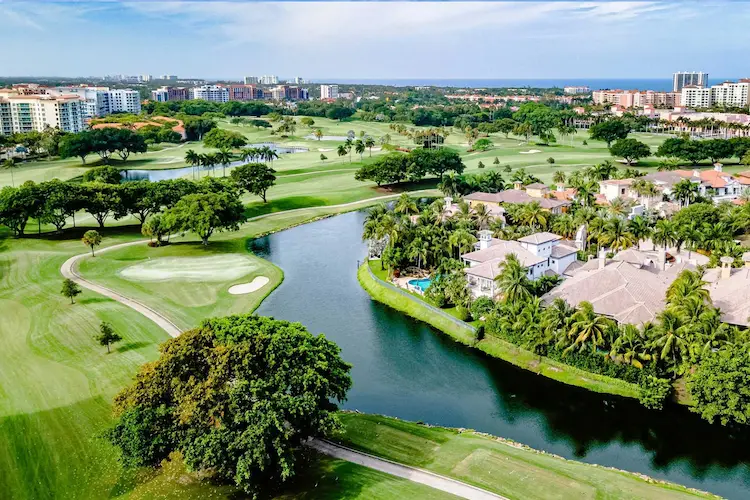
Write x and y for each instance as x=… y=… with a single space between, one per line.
x=238 y=397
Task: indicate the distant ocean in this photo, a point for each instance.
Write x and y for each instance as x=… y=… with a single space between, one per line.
x=662 y=84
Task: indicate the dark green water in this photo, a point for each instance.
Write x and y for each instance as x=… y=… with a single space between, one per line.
x=406 y=369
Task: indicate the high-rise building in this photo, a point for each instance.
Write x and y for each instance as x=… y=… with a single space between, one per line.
x=682 y=79
x=576 y=89
x=96 y=100
x=245 y=92
x=27 y=113
x=146 y=78
x=298 y=80
x=125 y=101
x=269 y=79
x=250 y=79
x=214 y=93
x=329 y=91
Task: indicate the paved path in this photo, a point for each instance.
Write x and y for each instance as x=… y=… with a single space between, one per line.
x=436 y=481
x=431 y=479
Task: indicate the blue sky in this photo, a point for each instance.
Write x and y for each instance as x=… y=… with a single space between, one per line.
x=376 y=39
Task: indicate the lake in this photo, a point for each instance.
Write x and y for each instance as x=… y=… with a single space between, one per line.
x=406 y=369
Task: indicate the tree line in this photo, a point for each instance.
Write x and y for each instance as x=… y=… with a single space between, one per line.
x=396 y=167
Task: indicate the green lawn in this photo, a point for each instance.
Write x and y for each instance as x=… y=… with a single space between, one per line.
x=497 y=465
x=495 y=347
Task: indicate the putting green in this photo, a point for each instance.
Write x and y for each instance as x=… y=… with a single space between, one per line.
x=216 y=268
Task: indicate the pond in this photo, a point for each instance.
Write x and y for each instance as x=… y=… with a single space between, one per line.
x=406 y=369
x=177 y=173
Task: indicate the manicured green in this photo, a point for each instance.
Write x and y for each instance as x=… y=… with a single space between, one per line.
x=503 y=467
x=495 y=347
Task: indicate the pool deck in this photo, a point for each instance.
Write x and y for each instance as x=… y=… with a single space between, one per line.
x=403 y=282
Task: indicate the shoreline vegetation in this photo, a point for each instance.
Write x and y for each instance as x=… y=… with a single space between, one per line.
x=494 y=347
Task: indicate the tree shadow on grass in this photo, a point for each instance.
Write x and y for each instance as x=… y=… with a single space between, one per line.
x=131 y=346
x=93 y=300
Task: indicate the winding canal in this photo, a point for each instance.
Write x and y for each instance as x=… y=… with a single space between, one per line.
x=405 y=368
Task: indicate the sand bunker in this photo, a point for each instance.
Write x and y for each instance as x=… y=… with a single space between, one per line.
x=529 y=152
x=325 y=150
x=255 y=285
x=209 y=269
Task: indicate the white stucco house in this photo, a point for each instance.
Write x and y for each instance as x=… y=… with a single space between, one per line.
x=541 y=253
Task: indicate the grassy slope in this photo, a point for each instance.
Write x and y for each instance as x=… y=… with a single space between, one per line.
x=495 y=347
x=503 y=467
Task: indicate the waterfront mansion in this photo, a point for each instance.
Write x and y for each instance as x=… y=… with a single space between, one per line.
x=541 y=253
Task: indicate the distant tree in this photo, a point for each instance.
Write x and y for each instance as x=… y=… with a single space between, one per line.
x=70 y=289
x=342 y=150
x=76 y=145
x=92 y=238
x=224 y=139
x=107 y=335
x=482 y=144
x=609 y=130
x=369 y=144
x=506 y=125
x=307 y=121
x=204 y=213
x=507 y=169
x=318 y=134
x=339 y=113
x=359 y=147
x=156 y=227
x=496 y=161
x=630 y=150
x=480 y=164
x=255 y=178
x=323 y=157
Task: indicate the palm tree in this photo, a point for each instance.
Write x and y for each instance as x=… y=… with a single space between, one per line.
x=318 y=134
x=359 y=147
x=630 y=347
x=349 y=143
x=639 y=227
x=386 y=139
x=462 y=240
x=564 y=225
x=450 y=184
x=687 y=286
x=534 y=215
x=482 y=215
x=664 y=233
x=670 y=341
x=10 y=164
x=586 y=192
x=224 y=157
x=556 y=317
x=587 y=327
x=369 y=144
x=406 y=205
x=418 y=249
x=685 y=192
x=341 y=150
x=192 y=158
x=513 y=280
x=619 y=206
x=559 y=177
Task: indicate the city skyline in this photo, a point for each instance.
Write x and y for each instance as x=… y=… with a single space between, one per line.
x=369 y=40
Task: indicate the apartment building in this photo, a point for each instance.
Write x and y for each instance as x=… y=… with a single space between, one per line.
x=164 y=94
x=245 y=92
x=96 y=100
x=250 y=80
x=27 y=113
x=683 y=79
x=575 y=90
x=124 y=101
x=213 y=93
x=269 y=80
x=733 y=94
x=637 y=98
x=329 y=91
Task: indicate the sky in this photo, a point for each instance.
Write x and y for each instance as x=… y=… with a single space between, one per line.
x=375 y=40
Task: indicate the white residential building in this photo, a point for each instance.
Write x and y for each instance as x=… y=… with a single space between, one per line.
x=124 y=100
x=682 y=79
x=540 y=254
x=96 y=100
x=26 y=113
x=574 y=89
x=250 y=79
x=210 y=93
x=733 y=94
x=269 y=80
x=329 y=91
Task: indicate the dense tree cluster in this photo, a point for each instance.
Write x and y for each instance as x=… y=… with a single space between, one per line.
x=237 y=397
x=696 y=151
x=413 y=166
x=105 y=142
x=199 y=107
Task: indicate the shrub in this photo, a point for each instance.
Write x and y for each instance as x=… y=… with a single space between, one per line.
x=463 y=313
x=480 y=165
x=550 y=160
x=585 y=142
x=481 y=307
x=654 y=391
x=480 y=332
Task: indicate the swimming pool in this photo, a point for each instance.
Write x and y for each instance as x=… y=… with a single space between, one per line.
x=423 y=283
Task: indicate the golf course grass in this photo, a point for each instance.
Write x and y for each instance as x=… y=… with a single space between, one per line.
x=497 y=465
x=57 y=383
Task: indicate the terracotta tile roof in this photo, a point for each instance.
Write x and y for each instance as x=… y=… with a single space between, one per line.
x=564 y=195
x=713 y=178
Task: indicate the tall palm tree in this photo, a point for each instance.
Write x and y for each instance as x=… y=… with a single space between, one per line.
x=513 y=280
x=534 y=215
x=462 y=240
x=639 y=227
x=564 y=225
x=630 y=346
x=192 y=158
x=670 y=342
x=482 y=215
x=687 y=286
x=318 y=134
x=359 y=147
x=406 y=205
x=559 y=177
x=685 y=192
x=664 y=233
x=224 y=157
x=349 y=143
x=619 y=206
x=369 y=144
x=418 y=249
x=587 y=328
x=586 y=192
